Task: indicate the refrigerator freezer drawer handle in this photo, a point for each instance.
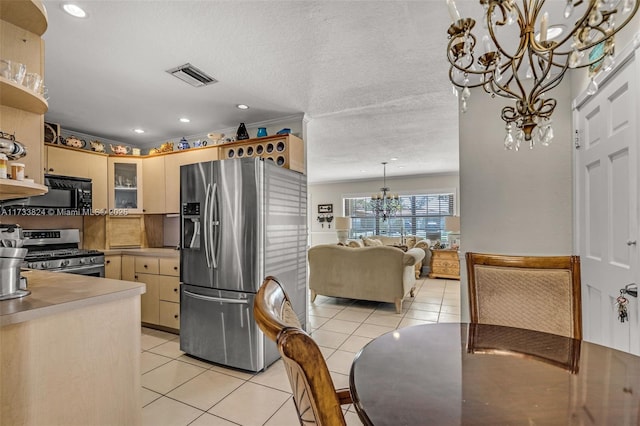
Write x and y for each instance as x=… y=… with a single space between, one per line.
x=216 y=299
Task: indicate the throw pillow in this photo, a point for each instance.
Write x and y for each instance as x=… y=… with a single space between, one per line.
x=410 y=241
x=354 y=243
x=371 y=242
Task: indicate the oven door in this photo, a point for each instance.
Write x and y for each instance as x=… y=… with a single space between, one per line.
x=90 y=270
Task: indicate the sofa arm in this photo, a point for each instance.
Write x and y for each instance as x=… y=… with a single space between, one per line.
x=423 y=244
x=413 y=256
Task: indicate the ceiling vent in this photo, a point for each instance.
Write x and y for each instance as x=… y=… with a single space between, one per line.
x=192 y=75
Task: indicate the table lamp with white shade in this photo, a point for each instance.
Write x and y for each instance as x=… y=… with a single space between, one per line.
x=343 y=225
x=452 y=227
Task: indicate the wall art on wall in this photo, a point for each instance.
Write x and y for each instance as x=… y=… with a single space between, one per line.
x=325 y=208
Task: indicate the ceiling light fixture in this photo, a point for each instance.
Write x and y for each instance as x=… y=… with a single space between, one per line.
x=139 y=131
x=184 y=120
x=385 y=203
x=74 y=10
x=508 y=60
x=242 y=106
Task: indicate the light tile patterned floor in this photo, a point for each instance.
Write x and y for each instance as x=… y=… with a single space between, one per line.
x=178 y=390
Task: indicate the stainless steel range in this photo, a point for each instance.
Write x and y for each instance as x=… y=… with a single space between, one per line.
x=56 y=250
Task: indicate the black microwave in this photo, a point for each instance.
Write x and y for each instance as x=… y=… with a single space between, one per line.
x=66 y=195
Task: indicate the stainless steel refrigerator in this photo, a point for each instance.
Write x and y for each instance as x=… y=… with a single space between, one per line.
x=241 y=221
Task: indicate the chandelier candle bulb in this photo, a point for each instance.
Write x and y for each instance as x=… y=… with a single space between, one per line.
x=543 y=27
x=453 y=11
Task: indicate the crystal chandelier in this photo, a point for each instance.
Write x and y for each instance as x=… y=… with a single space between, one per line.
x=385 y=203
x=517 y=62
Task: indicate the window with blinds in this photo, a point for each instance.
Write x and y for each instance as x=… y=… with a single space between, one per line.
x=422 y=215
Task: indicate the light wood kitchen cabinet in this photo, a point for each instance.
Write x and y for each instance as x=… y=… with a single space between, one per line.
x=149 y=302
x=128 y=268
x=445 y=264
x=172 y=163
x=80 y=163
x=113 y=267
x=153 y=198
x=124 y=177
x=21 y=110
x=161 y=304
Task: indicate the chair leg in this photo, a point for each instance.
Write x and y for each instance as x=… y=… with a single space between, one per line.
x=398 y=303
x=412 y=292
x=313 y=295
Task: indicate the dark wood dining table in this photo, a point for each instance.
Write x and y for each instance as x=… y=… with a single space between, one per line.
x=476 y=374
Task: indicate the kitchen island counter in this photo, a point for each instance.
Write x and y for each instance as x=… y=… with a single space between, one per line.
x=54 y=292
x=70 y=352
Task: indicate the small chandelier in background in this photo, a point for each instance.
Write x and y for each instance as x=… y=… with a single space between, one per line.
x=514 y=62
x=385 y=203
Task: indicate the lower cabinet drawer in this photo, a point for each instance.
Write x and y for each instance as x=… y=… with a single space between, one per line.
x=170 y=314
x=169 y=288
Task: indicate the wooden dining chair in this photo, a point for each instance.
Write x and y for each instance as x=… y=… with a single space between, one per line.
x=316 y=399
x=534 y=292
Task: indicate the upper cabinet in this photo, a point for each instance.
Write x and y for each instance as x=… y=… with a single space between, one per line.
x=125 y=184
x=21 y=110
x=80 y=163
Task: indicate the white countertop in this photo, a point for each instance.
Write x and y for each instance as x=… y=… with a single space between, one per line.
x=55 y=292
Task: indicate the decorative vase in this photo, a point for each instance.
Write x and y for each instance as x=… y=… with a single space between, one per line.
x=262 y=131
x=242 y=133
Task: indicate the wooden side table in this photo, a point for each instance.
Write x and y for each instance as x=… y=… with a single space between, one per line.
x=445 y=264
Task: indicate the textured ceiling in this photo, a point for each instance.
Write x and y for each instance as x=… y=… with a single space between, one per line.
x=370 y=76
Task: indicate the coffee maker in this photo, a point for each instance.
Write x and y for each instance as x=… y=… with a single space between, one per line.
x=12 y=285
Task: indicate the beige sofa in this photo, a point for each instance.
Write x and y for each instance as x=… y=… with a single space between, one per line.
x=382 y=274
x=411 y=241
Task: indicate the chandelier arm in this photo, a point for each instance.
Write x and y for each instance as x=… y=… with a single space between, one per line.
x=580 y=23
x=618 y=27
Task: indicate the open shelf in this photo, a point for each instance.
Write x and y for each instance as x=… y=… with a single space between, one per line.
x=27 y=14
x=18 y=189
x=16 y=96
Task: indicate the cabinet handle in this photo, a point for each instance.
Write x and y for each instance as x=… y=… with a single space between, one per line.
x=175 y=290
x=144 y=210
x=135 y=276
x=51 y=170
x=176 y=316
x=175 y=268
x=145 y=266
x=107 y=262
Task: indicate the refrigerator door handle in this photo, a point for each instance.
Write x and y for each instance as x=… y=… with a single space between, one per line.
x=214 y=222
x=215 y=299
x=207 y=247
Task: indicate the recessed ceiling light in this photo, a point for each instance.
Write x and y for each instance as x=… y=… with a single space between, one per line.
x=139 y=131
x=242 y=106
x=185 y=120
x=74 y=10
x=394 y=159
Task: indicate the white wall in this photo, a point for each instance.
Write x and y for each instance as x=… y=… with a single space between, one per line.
x=514 y=202
x=332 y=193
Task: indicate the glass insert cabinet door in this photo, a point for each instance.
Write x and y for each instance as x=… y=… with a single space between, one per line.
x=125 y=183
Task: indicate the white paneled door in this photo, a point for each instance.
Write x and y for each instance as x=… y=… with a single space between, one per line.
x=606 y=196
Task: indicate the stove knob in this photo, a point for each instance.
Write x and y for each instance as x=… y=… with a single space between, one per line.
x=92 y=260
x=31 y=265
x=64 y=263
x=83 y=260
x=46 y=265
